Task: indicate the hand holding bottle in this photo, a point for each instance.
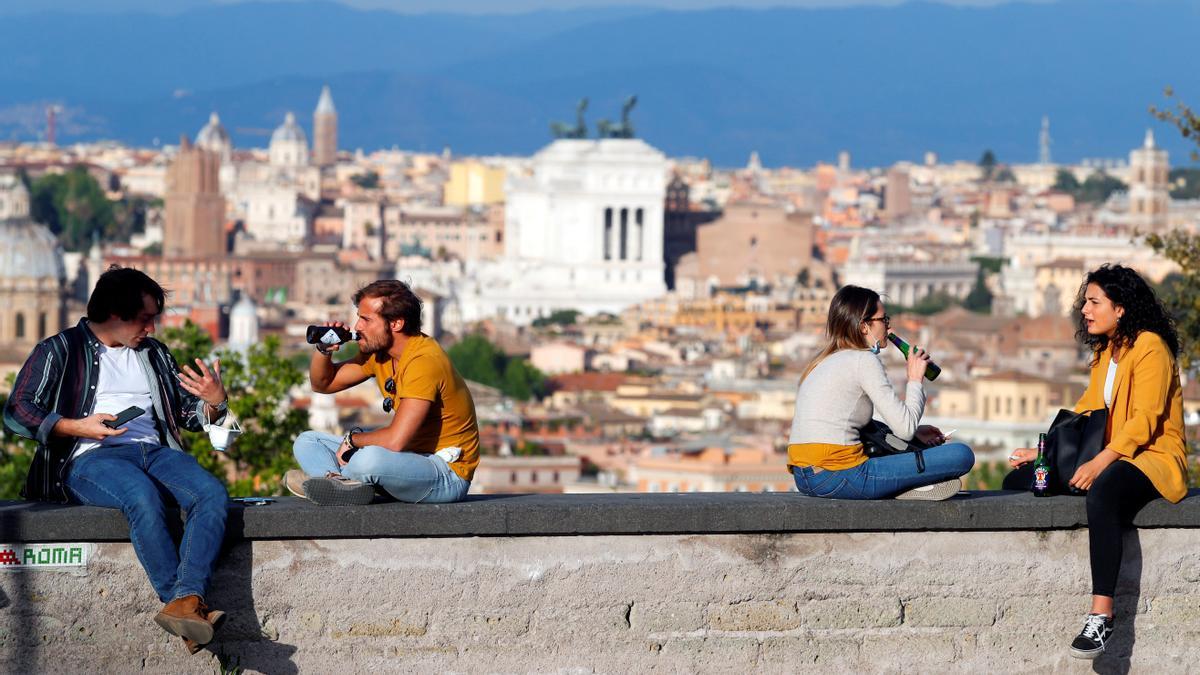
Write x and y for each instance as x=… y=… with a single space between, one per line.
x=918 y=361
x=329 y=336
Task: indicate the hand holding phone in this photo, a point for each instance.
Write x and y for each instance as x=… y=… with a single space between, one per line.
x=124 y=417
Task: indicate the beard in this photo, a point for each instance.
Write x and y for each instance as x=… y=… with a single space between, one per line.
x=369 y=345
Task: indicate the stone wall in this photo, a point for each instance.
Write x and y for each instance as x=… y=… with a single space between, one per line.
x=948 y=601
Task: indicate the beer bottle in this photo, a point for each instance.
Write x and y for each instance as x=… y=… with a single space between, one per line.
x=931 y=370
x=328 y=336
x=1041 y=470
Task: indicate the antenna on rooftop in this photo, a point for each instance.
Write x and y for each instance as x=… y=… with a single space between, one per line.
x=1044 y=142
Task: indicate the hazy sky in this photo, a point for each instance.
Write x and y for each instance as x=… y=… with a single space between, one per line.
x=473 y=6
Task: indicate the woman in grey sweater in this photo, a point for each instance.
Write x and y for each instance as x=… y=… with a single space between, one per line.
x=841 y=390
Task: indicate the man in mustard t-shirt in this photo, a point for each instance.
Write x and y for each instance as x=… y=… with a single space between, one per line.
x=431 y=448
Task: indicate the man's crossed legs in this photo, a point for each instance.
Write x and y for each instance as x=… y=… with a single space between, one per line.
x=404 y=476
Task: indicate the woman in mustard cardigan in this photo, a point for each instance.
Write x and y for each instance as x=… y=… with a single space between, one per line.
x=1134 y=375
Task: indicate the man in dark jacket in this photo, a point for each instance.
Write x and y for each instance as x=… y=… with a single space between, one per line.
x=67 y=397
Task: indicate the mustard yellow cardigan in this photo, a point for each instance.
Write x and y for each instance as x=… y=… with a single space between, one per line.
x=1145 y=422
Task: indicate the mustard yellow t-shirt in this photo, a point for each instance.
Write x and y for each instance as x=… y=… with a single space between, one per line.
x=423 y=371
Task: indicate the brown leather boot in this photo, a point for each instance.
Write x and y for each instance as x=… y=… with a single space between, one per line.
x=216 y=617
x=186 y=617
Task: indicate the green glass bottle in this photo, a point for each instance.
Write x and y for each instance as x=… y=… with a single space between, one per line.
x=932 y=370
x=1041 y=470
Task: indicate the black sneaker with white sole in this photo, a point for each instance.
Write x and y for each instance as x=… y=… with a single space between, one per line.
x=1091 y=640
x=337 y=490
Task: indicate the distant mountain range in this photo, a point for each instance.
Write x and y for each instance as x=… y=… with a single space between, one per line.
x=797 y=85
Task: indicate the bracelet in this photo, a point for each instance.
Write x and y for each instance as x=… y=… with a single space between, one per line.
x=219 y=407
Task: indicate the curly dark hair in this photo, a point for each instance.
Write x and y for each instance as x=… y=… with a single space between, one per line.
x=1143 y=310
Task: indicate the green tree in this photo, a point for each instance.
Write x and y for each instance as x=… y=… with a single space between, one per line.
x=367 y=181
x=73 y=206
x=477 y=359
x=1065 y=181
x=559 y=317
x=188 y=342
x=930 y=304
x=1185 y=183
x=16 y=453
x=987 y=163
x=979 y=300
x=1098 y=187
x=258 y=385
x=522 y=381
x=1005 y=175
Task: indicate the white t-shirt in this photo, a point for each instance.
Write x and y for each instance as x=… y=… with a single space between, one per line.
x=122 y=383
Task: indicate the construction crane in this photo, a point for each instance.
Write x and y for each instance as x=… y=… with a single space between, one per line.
x=52 y=112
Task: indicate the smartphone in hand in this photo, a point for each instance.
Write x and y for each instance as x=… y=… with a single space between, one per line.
x=124 y=417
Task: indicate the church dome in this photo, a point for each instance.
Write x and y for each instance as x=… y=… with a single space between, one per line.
x=213 y=133
x=29 y=250
x=214 y=138
x=289 y=132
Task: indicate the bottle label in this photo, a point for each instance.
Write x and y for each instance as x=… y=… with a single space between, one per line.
x=330 y=338
x=1041 y=478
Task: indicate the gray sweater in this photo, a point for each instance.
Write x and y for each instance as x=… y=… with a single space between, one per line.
x=844 y=392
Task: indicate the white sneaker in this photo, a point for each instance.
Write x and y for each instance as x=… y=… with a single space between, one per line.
x=450 y=454
x=933 y=493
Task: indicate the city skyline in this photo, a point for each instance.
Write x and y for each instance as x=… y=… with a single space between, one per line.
x=797 y=85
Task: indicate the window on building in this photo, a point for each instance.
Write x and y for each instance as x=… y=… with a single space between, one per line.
x=624 y=240
x=639 y=221
x=20 y=326
x=556 y=477
x=532 y=476
x=41 y=326
x=512 y=477
x=608 y=228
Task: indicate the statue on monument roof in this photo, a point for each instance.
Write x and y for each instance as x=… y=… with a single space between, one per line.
x=607 y=129
x=563 y=130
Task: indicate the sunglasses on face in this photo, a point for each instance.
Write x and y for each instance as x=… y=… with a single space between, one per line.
x=390 y=387
x=887 y=320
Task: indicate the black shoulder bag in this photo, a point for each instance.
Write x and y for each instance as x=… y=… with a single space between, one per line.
x=1073 y=438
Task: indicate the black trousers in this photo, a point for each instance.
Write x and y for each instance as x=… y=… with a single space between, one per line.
x=1120 y=491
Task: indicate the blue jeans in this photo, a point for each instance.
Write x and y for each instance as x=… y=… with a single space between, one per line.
x=406 y=476
x=888 y=476
x=141 y=479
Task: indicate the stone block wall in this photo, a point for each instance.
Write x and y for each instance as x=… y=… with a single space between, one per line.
x=889 y=602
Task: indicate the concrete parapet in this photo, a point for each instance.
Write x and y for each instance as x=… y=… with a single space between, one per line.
x=583 y=593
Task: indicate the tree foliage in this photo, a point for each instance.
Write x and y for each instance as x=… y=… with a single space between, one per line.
x=979 y=300
x=259 y=384
x=987 y=163
x=16 y=454
x=1185 y=183
x=1184 y=119
x=1097 y=188
x=559 y=317
x=367 y=181
x=73 y=206
x=1181 y=291
x=1065 y=181
x=477 y=359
